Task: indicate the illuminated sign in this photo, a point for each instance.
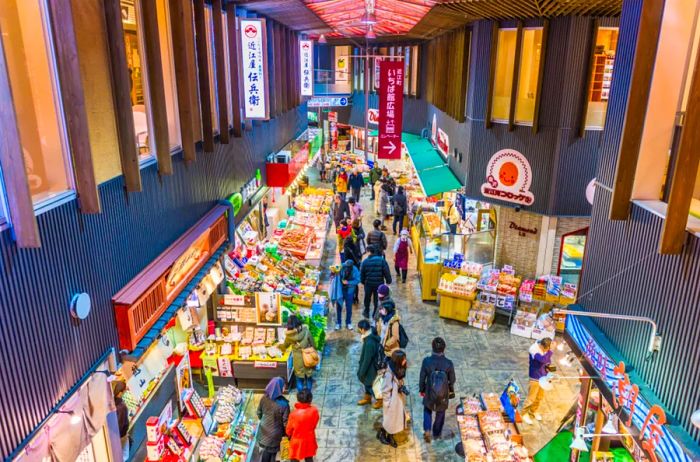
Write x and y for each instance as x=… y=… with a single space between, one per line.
x=306 y=64
x=508 y=177
x=254 y=68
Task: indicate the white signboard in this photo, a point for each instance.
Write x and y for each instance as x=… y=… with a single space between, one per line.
x=508 y=178
x=433 y=129
x=342 y=66
x=306 y=56
x=328 y=101
x=373 y=116
x=254 y=68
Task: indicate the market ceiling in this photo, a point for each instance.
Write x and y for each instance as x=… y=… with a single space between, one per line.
x=413 y=19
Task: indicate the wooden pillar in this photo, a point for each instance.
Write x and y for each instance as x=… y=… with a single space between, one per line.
x=184 y=83
x=156 y=86
x=540 y=77
x=492 y=74
x=233 y=63
x=121 y=89
x=73 y=99
x=203 y=74
x=673 y=234
x=637 y=103
x=19 y=200
x=516 y=76
x=220 y=71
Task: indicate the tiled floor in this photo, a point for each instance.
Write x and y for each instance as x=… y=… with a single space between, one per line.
x=484 y=361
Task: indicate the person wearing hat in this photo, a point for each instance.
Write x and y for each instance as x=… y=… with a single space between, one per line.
x=350 y=277
x=374 y=271
x=118 y=389
x=388 y=326
x=402 y=247
x=385 y=300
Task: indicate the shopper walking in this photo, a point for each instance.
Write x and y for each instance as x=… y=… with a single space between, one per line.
x=394 y=394
x=350 y=278
x=374 y=175
x=453 y=217
x=367 y=369
x=437 y=387
x=374 y=271
x=273 y=412
x=341 y=210
x=360 y=237
x=389 y=328
x=356 y=209
x=341 y=183
x=540 y=360
x=351 y=250
x=377 y=237
x=299 y=337
x=301 y=428
x=118 y=390
x=356 y=182
x=402 y=247
x=400 y=204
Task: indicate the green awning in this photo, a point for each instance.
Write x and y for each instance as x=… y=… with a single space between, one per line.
x=438 y=180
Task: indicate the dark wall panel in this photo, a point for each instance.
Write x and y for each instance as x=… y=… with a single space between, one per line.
x=625 y=274
x=43 y=352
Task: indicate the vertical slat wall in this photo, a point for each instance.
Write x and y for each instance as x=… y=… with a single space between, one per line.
x=203 y=74
x=447 y=72
x=233 y=67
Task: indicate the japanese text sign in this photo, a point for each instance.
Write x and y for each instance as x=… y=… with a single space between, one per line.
x=650 y=419
x=254 y=68
x=390 y=109
x=306 y=57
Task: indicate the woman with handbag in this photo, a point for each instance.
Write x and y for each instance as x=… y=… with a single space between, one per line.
x=304 y=354
x=273 y=413
x=394 y=393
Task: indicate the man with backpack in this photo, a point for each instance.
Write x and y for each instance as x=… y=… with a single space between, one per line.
x=437 y=385
x=374 y=272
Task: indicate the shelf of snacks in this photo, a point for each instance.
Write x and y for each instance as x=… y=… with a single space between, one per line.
x=314 y=200
x=481 y=315
x=487 y=433
x=525 y=319
x=457 y=286
x=232 y=433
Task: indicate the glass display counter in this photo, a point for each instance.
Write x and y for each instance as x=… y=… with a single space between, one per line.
x=427 y=236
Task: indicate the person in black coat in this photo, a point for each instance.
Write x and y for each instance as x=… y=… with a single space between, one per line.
x=400 y=203
x=374 y=271
x=273 y=412
x=436 y=362
x=367 y=370
x=351 y=250
x=340 y=210
x=377 y=236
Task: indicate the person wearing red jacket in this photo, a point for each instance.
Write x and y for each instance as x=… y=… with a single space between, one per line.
x=301 y=428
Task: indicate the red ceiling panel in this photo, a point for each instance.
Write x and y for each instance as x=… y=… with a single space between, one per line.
x=394 y=17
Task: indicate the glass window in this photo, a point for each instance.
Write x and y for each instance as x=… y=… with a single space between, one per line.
x=137 y=73
x=603 y=61
x=503 y=76
x=573 y=247
x=168 y=63
x=209 y=26
x=31 y=71
x=227 y=65
x=528 y=75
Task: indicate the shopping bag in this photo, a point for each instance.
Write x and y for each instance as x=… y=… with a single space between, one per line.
x=284 y=449
x=378 y=384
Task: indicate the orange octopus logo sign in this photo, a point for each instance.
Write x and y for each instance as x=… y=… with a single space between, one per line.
x=508 y=178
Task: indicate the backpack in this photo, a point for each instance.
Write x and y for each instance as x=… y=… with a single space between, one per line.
x=439 y=388
x=403 y=338
x=380 y=358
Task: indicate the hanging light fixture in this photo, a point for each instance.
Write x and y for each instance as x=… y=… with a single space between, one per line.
x=370 y=35
x=611 y=426
x=579 y=443
x=322 y=39
x=369 y=17
x=695 y=418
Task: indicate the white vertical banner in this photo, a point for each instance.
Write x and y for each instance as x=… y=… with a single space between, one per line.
x=342 y=64
x=254 y=68
x=306 y=56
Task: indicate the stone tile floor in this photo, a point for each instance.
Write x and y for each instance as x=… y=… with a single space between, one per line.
x=484 y=361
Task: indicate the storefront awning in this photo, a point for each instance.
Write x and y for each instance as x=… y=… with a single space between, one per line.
x=435 y=175
x=152 y=335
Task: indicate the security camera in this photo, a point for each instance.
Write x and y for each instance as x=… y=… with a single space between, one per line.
x=517 y=208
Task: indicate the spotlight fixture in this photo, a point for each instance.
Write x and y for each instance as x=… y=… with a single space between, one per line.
x=580 y=435
x=611 y=426
x=368 y=18
x=370 y=35
x=322 y=39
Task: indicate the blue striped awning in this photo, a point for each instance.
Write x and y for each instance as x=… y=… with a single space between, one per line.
x=155 y=330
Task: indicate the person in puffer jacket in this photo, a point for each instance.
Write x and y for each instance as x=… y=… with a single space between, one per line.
x=273 y=413
x=374 y=271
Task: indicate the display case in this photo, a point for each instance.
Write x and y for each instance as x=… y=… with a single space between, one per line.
x=427 y=239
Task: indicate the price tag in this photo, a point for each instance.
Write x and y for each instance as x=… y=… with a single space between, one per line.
x=234 y=300
x=265 y=365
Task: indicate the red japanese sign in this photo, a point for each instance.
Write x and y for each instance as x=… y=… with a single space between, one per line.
x=390 y=109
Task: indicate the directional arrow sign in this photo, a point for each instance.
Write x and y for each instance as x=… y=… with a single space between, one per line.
x=390 y=109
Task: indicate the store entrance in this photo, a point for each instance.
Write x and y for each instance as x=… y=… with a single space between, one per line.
x=572 y=249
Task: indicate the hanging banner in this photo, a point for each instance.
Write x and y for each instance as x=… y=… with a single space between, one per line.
x=443 y=142
x=306 y=57
x=342 y=64
x=508 y=178
x=253 y=54
x=390 y=109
